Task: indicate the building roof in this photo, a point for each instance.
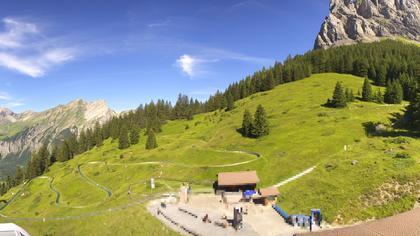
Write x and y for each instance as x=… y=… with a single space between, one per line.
x=237 y=178
x=271 y=191
x=407 y=223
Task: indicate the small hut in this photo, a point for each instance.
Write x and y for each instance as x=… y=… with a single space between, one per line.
x=268 y=195
x=236 y=181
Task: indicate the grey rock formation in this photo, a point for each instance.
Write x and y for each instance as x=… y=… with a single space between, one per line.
x=25 y=132
x=352 y=21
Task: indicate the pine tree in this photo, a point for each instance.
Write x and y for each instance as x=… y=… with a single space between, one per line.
x=82 y=141
x=64 y=152
x=230 y=102
x=393 y=93
x=412 y=114
x=409 y=85
x=379 y=98
x=339 y=98
x=98 y=133
x=261 y=126
x=349 y=95
x=54 y=153
x=247 y=124
x=381 y=76
x=151 y=142
x=367 y=91
x=44 y=158
x=19 y=177
x=123 y=141
x=134 y=135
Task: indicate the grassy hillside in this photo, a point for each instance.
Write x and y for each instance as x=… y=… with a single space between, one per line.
x=103 y=191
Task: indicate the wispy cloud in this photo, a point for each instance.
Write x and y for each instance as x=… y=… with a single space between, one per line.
x=5 y=96
x=194 y=65
x=203 y=92
x=23 y=48
x=248 y=3
x=159 y=23
x=12 y=104
x=6 y=100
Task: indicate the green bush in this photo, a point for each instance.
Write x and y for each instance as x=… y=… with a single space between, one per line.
x=402 y=155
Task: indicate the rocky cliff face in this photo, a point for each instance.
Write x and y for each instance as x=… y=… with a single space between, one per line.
x=22 y=133
x=352 y=21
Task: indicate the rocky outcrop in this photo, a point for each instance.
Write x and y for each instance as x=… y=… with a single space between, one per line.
x=352 y=21
x=27 y=131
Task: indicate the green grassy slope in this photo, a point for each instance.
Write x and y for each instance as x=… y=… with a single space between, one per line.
x=303 y=134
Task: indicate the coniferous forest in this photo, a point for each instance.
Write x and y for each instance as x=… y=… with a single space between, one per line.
x=388 y=63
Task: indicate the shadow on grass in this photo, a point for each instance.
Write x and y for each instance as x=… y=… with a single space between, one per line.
x=377 y=129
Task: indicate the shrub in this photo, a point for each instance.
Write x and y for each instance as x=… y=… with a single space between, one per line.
x=402 y=155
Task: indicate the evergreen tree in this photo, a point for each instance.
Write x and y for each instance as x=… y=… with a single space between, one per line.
x=339 y=98
x=379 y=98
x=44 y=158
x=20 y=176
x=134 y=135
x=367 y=91
x=261 y=126
x=230 y=102
x=381 y=75
x=393 y=93
x=151 y=142
x=412 y=114
x=349 y=95
x=54 y=153
x=247 y=124
x=82 y=141
x=409 y=85
x=123 y=141
x=98 y=133
x=64 y=152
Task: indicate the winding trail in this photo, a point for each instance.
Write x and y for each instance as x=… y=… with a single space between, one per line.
x=89 y=180
x=134 y=202
x=109 y=191
x=297 y=176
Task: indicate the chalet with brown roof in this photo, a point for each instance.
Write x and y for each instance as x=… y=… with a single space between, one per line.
x=237 y=181
x=268 y=195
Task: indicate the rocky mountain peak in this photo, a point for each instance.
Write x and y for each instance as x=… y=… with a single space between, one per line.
x=6 y=115
x=5 y=111
x=352 y=21
x=22 y=133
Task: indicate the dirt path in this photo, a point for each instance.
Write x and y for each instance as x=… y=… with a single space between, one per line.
x=305 y=172
x=109 y=191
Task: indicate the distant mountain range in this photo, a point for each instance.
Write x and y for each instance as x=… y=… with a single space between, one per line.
x=352 y=21
x=21 y=133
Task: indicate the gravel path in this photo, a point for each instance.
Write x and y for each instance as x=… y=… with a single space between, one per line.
x=107 y=190
x=305 y=172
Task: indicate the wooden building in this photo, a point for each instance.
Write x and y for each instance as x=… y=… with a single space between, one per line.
x=236 y=181
x=268 y=195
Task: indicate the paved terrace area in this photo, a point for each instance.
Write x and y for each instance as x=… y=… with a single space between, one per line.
x=260 y=220
x=407 y=223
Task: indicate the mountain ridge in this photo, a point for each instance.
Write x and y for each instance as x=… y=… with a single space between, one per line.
x=22 y=133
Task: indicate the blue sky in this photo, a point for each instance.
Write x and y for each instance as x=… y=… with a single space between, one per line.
x=130 y=52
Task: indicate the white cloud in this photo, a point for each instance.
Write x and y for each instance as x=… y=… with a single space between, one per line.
x=187 y=63
x=159 y=23
x=12 y=104
x=195 y=65
x=5 y=96
x=24 y=49
x=6 y=100
x=15 y=33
